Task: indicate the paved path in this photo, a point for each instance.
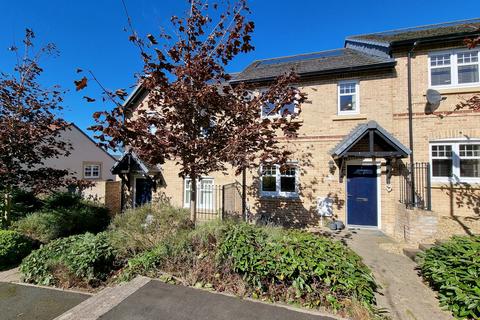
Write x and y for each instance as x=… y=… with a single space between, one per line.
x=144 y=298
x=33 y=303
x=403 y=293
x=12 y=275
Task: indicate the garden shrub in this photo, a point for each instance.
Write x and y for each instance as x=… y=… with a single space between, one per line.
x=61 y=219
x=453 y=269
x=141 y=229
x=63 y=200
x=13 y=248
x=268 y=263
x=85 y=259
x=313 y=270
x=23 y=203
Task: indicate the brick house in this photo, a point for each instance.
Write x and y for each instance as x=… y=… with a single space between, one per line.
x=369 y=116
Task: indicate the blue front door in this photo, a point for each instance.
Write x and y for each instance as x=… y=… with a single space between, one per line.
x=143 y=191
x=362 y=195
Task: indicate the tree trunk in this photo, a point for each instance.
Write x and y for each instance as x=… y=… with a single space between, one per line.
x=193 y=199
x=7 y=208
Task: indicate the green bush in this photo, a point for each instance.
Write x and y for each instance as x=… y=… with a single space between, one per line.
x=59 y=200
x=271 y=263
x=23 y=203
x=319 y=270
x=55 y=221
x=13 y=248
x=141 y=229
x=81 y=259
x=453 y=269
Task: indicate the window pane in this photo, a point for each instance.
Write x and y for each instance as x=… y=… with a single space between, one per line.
x=442 y=167
x=440 y=60
x=347 y=103
x=467 y=57
x=287 y=109
x=269 y=183
x=287 y=184
x=441 y=76
x=468 y=74
x=347 y=88
x=267 y=109
x=470 y=168
x=269 y=170
x=187 y=185
x=470 y=150
x=442 y=151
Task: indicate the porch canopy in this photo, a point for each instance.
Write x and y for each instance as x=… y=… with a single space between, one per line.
x=130 y=165
x=369 y=140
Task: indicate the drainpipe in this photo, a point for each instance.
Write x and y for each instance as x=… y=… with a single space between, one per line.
x=410 y=121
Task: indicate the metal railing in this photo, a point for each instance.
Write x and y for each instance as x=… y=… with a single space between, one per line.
x=219 y=202
x=422 y=197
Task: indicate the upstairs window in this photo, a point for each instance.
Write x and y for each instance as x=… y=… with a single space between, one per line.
x=279 y=182
x=91 y=171
x=454 y=68
x=348 y=102
x=457 y=160
x=267 y=109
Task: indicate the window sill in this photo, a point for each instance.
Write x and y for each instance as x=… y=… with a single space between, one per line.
x=280 y=198
x=349 y=117
x=456 y=90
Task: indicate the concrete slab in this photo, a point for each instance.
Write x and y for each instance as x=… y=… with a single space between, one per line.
x=34 y=303
x=158 y=300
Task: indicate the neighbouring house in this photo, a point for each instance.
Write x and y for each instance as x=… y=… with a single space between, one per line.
x=380 y=146
x=87 y=161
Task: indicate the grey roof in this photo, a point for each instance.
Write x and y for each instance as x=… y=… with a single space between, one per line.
x=358 y=132
x=387 y=38
x=138 y=165
x=323 y=62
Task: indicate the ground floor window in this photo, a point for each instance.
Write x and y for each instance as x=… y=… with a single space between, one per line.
x=91 y=171
x=459 y=160
x=205 y=194
x=280 y=181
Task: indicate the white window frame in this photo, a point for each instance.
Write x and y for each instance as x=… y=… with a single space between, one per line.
x=276 y=115
x=91 y=166
x=278 y=193
x=453 y=68
x=456 y=177
x=357 y=97
x=186 y=190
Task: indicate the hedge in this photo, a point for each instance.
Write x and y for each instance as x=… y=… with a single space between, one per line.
x=13 y=248
x=453 y=269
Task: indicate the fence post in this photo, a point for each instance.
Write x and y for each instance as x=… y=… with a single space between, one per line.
x=244 y=194
x=223 y=202
x=429 y=188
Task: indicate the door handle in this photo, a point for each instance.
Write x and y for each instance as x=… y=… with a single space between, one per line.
x=362 y=199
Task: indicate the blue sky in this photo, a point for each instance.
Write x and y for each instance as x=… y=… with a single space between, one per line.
x=89 y=33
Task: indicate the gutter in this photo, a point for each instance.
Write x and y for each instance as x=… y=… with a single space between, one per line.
x=306 y=75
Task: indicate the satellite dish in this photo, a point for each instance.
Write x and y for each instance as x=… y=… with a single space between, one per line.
x=433 y=96
x=433 y=101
